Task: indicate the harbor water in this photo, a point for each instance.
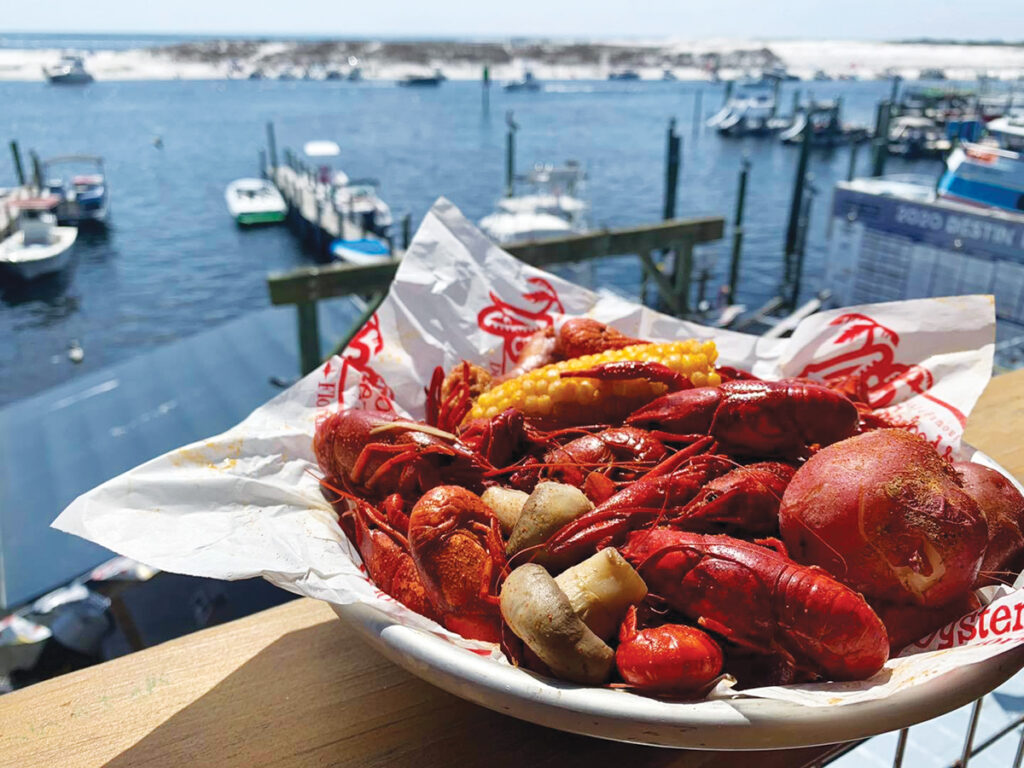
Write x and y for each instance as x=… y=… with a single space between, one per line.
x=173 y=263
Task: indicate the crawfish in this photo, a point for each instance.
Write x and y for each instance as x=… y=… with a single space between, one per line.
x=385 y=553
x=456 y=544
x=374 y=455
x=756 y=418
x=759 y=598
x=709 y=494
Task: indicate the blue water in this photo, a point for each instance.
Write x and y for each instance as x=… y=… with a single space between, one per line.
x=173 y=262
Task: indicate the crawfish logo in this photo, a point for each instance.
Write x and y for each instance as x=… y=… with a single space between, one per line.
x=516 y=324
x=865 y=363
x=355 y=361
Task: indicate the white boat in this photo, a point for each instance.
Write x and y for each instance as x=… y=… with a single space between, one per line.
x=255 y=201
x=550 y=210
x=69 y=71
x=1008 y=130
x=362 y=252
x=84 y=197
x=38 y=247
x=357 y=200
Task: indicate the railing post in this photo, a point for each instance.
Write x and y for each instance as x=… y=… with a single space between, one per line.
x=683 y=273
x=309 y=336
x=737 y=232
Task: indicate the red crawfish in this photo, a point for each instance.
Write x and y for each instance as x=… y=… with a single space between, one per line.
x=708 y=494
x=456 y=544
x=755 y=418
x=757 y=597
x=671 y=659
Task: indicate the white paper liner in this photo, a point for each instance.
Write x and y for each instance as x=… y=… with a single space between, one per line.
x=247 y=502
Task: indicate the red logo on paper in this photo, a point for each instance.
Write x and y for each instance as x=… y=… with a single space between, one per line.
x=355 y=361
x=865 y=361
x=516 y=324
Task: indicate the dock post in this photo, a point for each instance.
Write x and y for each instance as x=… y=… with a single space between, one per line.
x=698 y=109
x=510 y=155
x=271 y=145
x=795 y=206
x=854 y=149
x=672 y=153
x=406 y=230
x=37 y=171
x=18 y=169
x=737 y=231
x=683 y=274
x=486 y=88
x=805 y=223
x=881 y=138
x=309 y=336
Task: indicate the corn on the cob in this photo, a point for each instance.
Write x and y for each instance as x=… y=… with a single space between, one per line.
x=542 y=393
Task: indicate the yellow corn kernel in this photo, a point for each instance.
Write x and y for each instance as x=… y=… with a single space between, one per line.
x=542 y=393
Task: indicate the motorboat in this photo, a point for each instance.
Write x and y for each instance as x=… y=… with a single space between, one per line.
x=358 y=202
x=624 y=74
x=84 y=197
x=38 y=246
x=255 y=201
x=826 y=126
x=527 y=83
x=669 y=76
x=1008 y=131
x=361 y=252
x=750 y=112
x=913 y=136
x=985 y=176
x=423 y=81
x=69 y=71
x=551 y=208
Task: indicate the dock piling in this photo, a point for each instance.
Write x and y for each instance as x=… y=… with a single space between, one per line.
x=737 y=231
x=406 y=231
x=672 y=154
x=698 y=109
x=795 y=207
x=486 y=89
x=18 y=168
x=881 y=141
x=854 y=149
x=510 y=155
x=37 y=171
x=271 y=145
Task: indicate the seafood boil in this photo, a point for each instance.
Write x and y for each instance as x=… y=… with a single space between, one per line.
x=623 y=512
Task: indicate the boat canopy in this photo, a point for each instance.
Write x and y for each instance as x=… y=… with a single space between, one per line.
x=321 y=149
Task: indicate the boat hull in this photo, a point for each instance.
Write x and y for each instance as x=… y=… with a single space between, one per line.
x=32 y=262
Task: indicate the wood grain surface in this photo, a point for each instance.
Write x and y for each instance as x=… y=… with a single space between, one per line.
x=294 y=686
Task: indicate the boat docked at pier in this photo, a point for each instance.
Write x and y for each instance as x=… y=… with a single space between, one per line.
x=750 y=111
x=80 y=185
x=38 y=245
x=914 y=136
x=827 y=128
x=550 y=209
x=70 y=70
x=255 y=201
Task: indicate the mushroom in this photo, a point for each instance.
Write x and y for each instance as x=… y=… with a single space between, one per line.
x=540 y=615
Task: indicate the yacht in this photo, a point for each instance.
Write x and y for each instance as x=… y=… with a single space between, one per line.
x=255 y=201
x=69 y=71
x=38 y=246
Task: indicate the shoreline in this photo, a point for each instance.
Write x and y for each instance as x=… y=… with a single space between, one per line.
x=238 y=58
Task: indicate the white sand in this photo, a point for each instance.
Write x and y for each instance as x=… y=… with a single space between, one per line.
x=803 y=58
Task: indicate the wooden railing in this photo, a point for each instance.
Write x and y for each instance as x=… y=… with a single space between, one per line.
x=306 y=286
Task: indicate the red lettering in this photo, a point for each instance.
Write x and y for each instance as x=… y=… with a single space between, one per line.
x=1001 y=616
x=1018 y=607
x=945 y=636
x=982 y=632
x=966 y=628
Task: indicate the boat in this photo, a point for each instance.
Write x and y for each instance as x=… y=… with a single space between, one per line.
x=527 y=83
x=550 y=209
x=821 y=76
x=423 y=81
x=827 y=127
x=357 y=200
x=362 y=252
x=932 y=73
x=255 y=201
x=669 y=76
x=69 y=71
x=84 y=197
x=1008 y=131
x=624 y=74
x=914 y=136
x=750 y=111
x=38 y=246
x=984 y=176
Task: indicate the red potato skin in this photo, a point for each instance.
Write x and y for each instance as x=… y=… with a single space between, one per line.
x=888 y=516
x=909 y=623
x=1003 y=507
